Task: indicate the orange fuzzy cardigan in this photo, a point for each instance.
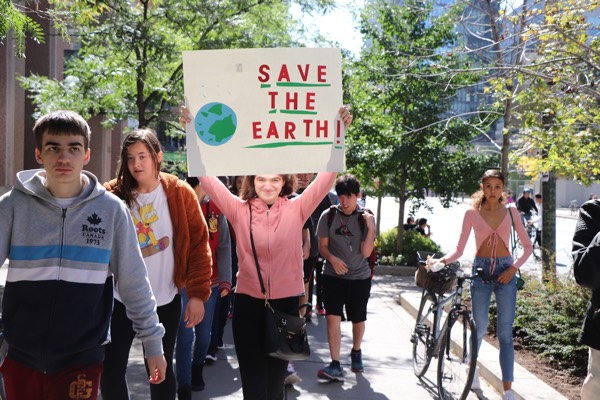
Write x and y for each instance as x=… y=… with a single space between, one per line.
x=193 y=259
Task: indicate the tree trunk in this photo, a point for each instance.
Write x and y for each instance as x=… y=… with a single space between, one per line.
x=402 y=201
x=549 y=228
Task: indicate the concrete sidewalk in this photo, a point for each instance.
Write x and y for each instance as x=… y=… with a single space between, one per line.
x=387 y=355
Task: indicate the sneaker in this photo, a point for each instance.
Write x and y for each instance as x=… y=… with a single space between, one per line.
x=292 y=377
x=356 y=365
x=333 y=372
x=308 y=316
x=476 y=384
x=211 y=356
x=509 y=395
x=321 y=310
x=220 y=344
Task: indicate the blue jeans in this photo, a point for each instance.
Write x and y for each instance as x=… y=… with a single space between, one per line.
x=506 y=302
x=185 y=340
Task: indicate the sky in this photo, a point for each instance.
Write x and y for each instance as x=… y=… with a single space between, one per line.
x=337 y=25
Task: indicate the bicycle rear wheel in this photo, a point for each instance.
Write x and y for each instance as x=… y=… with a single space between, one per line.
x=423 y=334
x=458 y=357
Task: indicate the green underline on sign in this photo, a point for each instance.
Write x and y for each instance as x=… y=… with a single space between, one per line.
x=265 y=85
x=298 y=112
x=302 y=84
x=283 y=144
x=337 y=147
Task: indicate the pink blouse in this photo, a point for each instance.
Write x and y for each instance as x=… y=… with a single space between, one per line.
x=483 y=232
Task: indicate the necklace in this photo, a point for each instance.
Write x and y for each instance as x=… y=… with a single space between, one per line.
x=345 y=231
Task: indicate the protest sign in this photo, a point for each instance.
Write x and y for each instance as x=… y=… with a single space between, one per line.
x=263 y=111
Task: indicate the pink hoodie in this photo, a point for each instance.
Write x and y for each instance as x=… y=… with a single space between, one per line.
x=277 y=235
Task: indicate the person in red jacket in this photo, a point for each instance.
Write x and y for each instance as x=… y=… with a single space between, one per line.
x=174 y=241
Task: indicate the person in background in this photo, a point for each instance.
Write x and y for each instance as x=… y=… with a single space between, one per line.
x=190 y=364
x=225 y=304
x=423 y=227
x=275 y=222
x=66 y=238
x=491 y=223
x=313 y=266
x=509 y=196
x=346 y=244
x=173 y=238
x=526 y=205
x=410 y=224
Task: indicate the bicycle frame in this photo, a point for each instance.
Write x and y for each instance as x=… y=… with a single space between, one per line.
x=455 y=299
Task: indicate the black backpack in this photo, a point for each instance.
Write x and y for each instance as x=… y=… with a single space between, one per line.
x=373 y=261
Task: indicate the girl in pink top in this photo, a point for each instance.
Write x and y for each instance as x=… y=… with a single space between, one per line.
x=489 y=218
x=277 y=231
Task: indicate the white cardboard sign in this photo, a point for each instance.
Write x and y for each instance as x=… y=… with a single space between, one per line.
x=263 y=111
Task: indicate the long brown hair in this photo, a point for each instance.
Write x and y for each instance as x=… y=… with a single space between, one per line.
x=249 y=192
x=126 y=183
x=478 y=197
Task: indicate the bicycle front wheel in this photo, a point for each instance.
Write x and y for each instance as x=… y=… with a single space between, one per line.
x=457 y=357
x=423 y=334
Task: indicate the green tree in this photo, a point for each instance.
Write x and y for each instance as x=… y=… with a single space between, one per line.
x=560 y=111
x=399 y=98
x=130 y=64
x=13 y=17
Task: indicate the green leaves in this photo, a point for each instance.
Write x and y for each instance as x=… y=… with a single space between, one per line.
x=13 y=18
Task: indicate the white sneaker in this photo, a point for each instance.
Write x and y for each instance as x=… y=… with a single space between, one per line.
x=476 y=384
x=509 y=395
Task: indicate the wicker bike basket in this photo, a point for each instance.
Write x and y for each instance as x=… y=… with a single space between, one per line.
x=439 y=282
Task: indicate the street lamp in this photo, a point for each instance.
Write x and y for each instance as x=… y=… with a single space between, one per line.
x=548 y=210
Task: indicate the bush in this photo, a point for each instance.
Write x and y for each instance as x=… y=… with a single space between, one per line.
x=548 y=321
x=413 y=242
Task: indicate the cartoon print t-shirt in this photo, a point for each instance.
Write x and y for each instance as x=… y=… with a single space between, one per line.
x=154 y=229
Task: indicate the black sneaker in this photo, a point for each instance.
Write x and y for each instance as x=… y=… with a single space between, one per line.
x=211 y=355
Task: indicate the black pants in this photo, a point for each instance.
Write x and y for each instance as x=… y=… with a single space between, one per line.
x=113 y=383
x=262 y=375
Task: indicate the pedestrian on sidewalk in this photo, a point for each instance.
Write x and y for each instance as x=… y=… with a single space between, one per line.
x=66 y=239
x=275 y=222
x=586 y=268
x=490 y=221
x=190 y=363
x=346 y=239
x=173 y=238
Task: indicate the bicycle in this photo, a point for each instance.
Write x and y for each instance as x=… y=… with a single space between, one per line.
x=445 y=329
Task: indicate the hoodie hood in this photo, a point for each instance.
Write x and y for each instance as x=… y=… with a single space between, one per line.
x=31 y=182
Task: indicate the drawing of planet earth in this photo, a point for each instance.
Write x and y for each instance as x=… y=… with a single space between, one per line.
x=215 y=124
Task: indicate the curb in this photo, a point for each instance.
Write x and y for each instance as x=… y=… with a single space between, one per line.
x=526 y=387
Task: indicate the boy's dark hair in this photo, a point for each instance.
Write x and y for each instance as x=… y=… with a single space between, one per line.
x=422 y=221
x=347 y=185
x=62 y=122
x=192 y=181
x=538 y=196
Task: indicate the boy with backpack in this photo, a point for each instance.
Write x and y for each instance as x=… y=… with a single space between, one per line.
x=346 y=240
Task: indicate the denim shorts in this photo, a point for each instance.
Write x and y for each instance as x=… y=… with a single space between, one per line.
x=485 y=263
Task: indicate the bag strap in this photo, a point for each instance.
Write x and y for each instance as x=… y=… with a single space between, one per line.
x=260 y=279
x=513 y=236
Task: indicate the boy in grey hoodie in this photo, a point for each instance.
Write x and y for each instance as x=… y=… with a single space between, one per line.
x=67 y=241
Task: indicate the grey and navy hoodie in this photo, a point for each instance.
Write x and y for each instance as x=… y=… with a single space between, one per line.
x=58 y=297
